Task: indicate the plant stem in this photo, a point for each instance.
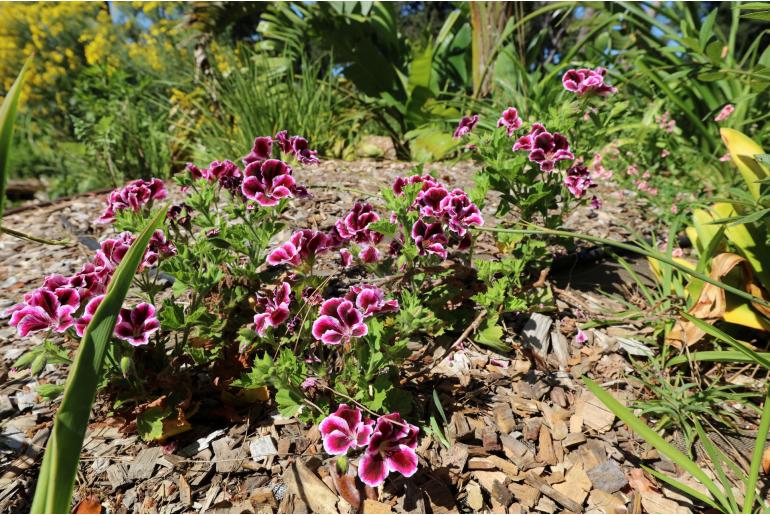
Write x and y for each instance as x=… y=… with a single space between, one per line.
x=756 y=459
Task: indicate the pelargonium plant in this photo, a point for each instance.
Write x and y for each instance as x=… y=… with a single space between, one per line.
x=226 y=285
x=538 y=168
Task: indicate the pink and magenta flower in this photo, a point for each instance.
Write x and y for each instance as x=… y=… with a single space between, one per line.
x=345 y=429
x=725 y=113
x=90 y=280
x=430 y=200
x=391 y=448
x=545 y=149
x=426 y=180
x=370 y=300
x=430 y=238
x=220 y=170
x=466 y=125
x=586 y=81
x=88 y=313
x=578 y=180
x=44 y=310
x=303 y=246
x=355 y=225
x=296 y=146
x=133 y=196
x=460 y=212
x=304 y=155
x=346 y=258
x=276 y=309
x=262 y=150
x=268 y=181
x=136 y=325
x=339 y=322
x=510 y=120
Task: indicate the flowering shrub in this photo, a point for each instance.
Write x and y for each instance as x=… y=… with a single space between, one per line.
x=265 y=308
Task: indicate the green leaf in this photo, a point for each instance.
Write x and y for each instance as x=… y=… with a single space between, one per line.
x=440 y=408
x=695 y=494
x=492 y=336
x=436 y=429
x=50 y=391
x=718 y=356
x=56 y=480
x=756 y=458
x=7 y=119
x=384 y=227
x=149 y=424
x=288 y=402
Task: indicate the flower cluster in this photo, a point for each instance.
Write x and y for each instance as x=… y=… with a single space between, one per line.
x=134 y=196
x=466 y=125
x=545 y=149
x=339 y=322
x=296 y=146
x=53 y=306
x=54 y=310
x=342 y=318
x=264 y=179
x=268 y=181
x=302 y=247
x=275 y=309
x=354 y=228
x=510 y=120
x=388 y=443
x=439 y=208
x=666 y=122
x=578 y=180
x=586 y=81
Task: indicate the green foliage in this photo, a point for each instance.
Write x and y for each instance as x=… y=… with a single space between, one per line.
x=123 y=121
x=39 y=356
x=7 y=121
x=261 y=94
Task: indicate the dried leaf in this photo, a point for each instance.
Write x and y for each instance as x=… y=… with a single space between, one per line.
x=639 y=482
x=711 y=305
x=89 y=504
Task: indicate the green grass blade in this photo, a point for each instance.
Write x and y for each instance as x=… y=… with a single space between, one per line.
x=716 y=460
x=7 y=119
x=709 y=329
x=654 y=439
x=756 y=458
x=681 y=487
x=53 y=493
x=718 y=356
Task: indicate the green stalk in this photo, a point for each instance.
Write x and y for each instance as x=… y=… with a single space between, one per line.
x=7 y=118
x=756 y=459
x=56 y=480
x=659 y=256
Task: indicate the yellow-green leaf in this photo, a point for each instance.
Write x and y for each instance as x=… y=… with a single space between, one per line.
x=742 y=150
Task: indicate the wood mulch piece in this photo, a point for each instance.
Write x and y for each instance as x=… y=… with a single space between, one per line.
x=525 y=435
